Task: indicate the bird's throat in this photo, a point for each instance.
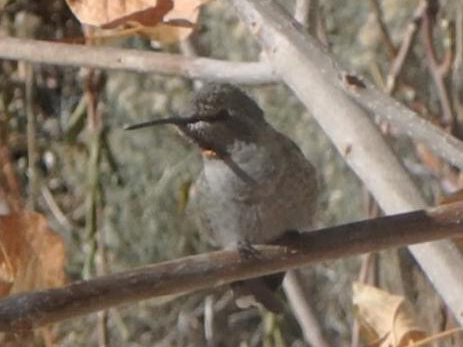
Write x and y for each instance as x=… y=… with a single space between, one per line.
x=209 y=154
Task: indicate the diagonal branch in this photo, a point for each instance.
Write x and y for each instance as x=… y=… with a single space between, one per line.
x=185 y=275
x=328 y=92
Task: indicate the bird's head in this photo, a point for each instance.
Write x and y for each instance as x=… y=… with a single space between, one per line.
x=218 y=115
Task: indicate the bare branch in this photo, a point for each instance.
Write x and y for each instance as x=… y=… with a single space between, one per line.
x=443 y=145
x=32 y=152
x=324 y=88
x=185 y=275
x=405 y=48
x=438 y=69
x=305 y=12
x=136 y=60
x=385 y=36
x=302 y=310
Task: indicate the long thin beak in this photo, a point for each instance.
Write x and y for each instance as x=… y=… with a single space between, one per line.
x=170 y=120
x=178 y=121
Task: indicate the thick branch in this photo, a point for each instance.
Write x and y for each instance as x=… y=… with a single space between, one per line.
x=135 y=60
x=33 y=309
x=324 y=88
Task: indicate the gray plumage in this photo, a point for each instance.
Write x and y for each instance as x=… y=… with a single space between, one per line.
x=255 y=184
x=263 y=187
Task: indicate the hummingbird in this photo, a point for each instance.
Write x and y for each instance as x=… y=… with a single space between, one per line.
x=255 y=185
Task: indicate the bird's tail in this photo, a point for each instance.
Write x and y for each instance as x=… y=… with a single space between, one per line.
x=261 y=290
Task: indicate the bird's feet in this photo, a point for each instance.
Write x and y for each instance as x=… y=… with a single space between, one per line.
x=261 y=289
x=289 y=236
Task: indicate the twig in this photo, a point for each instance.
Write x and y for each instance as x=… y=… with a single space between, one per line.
x=303 y=14
x=185 y=275
x=438 y=69
x=93 y=191
x=188 y=49
x=386 y=37
x=457 y=68
x=303 y=313
x=31 y=138
x=110 y=157
x=408 y=122
x=405 y=48
x=54 y=208
x=76 y=121
x=435 y=337
x=308 y=13
x=102 y=270
x=95 y=235
x=135 y=60
x=209 y=333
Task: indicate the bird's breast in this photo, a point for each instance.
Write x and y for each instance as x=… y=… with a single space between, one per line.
x=249 y=170
x=280 y=197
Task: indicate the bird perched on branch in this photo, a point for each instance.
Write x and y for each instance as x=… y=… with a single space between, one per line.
x=255 y=184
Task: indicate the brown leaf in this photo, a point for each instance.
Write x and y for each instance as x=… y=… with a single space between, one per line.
x=383 y=314
x=31 y=255
x=113 y=13
x=149 y=17
x=178 y=24
x=166 y=21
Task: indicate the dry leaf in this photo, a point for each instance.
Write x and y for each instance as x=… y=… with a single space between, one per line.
x=179 y=23
x=31 y=255
x=109 y=13
x=166 y=21
x=383 y=314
